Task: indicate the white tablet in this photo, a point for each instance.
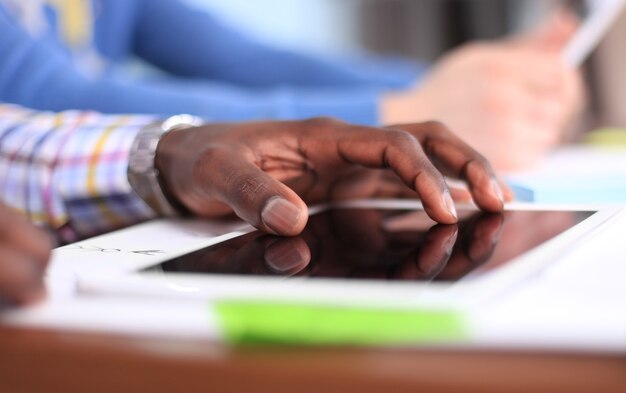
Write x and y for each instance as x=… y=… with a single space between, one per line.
x=362 y=252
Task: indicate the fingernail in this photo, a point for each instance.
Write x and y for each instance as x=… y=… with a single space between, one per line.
x=280 y=215
x=495 y=187
x=449 y=202
x=284 y=257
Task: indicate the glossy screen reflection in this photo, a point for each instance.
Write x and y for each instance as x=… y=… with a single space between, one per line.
x=382 y=245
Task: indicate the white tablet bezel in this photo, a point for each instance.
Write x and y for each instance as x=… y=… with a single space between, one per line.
x=116 y=273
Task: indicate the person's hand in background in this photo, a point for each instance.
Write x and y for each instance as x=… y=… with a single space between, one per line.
x=267 y=172
x=24 y=254
x=511 y=100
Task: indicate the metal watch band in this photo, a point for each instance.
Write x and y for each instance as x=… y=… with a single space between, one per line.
x=142 y=173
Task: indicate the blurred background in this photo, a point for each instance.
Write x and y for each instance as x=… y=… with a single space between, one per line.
x=421 y=29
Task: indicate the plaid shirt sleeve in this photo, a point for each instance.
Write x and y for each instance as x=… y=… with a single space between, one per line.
x=67 y=171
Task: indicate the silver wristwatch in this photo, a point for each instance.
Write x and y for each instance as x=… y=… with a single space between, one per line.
x=142 y=173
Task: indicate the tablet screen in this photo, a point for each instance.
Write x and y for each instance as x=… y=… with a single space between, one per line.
x=381 y=244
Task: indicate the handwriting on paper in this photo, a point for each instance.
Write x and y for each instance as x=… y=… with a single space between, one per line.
x=107 y=250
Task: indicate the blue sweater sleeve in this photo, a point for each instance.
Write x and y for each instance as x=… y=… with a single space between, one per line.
x=169 y=31
x=39 y=73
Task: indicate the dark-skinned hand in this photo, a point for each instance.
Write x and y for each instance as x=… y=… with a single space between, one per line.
x=267 y=172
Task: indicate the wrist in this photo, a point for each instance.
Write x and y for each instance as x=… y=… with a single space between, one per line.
x=173 y=157
x=145 y=169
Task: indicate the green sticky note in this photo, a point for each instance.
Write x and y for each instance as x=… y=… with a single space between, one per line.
x=296 y=324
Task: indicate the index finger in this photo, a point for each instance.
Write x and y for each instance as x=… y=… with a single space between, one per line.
x=401 y=152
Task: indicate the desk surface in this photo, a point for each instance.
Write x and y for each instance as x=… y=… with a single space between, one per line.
x=49 y=361
x=64 y=361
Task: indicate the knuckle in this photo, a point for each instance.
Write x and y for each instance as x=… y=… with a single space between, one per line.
x=476 y=164
x=323 y=122
x=436 y=131
x=400 y=138
x=480 y=160
x=247 y=187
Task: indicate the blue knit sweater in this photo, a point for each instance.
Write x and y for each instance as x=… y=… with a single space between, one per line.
x=211 y=69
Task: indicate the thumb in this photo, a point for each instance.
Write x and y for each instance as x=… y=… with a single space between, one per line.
x=554 y=33
x=260 y=199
